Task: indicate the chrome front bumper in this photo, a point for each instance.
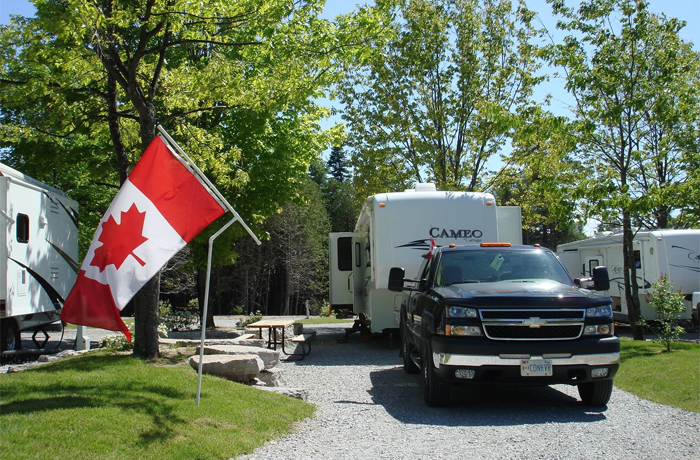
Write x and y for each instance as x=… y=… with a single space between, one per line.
x=557 y=359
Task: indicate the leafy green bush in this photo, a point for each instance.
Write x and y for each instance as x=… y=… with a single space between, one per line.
x=178 y=319
x=668 y=305
x=118 y=342
x=251 y=318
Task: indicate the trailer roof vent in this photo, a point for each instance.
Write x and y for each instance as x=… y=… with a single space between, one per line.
x=425 y=187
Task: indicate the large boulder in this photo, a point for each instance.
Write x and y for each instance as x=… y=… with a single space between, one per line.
x=270 y=358
x=239 y=368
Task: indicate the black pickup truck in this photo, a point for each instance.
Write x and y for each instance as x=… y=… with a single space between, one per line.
x=497 y=313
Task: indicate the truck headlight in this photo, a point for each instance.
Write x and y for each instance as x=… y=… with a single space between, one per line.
x=600 y=329
x=461 y=312
x=600 y=312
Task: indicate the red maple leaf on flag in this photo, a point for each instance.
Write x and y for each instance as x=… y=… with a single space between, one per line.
x=120 y=240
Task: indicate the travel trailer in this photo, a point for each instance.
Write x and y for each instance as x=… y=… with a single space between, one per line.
x=39 y=253
x=674 y=253
x=392 y=229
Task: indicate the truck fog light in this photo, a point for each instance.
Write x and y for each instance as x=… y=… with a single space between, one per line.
x=600 y=372
x=463 y=330
x=465 y=373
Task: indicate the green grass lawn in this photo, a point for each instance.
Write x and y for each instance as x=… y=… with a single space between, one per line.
x=667 y=378
x=102 y=405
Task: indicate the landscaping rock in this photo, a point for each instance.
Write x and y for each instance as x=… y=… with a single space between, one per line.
x=296 y=393
x=239 y=368
x=270 y=358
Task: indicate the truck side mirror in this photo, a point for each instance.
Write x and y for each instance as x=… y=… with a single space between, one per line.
x=396 y=275
x=601 y=280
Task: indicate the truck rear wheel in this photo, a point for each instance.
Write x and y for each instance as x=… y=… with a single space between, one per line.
x=437 y=392
x=596 y=393
x=10 y=338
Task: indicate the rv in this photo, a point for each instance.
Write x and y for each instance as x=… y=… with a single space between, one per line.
x=392 y=229
x=38 y=263
x=673 y=253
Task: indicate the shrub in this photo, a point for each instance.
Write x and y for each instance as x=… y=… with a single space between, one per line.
x=251 y=318
x=668 y=305
x=118 y=342
x=179 y=319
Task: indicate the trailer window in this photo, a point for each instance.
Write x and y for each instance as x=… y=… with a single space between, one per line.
x=22 y=228
x=593 y=263
x=345 y=254
x=358 y=254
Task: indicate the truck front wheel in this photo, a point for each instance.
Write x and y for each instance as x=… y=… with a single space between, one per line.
x=10 y=338
x=596 y=393
x=437 y=392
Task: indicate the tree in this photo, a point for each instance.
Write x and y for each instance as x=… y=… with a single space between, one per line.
x=622 y=77
x=540 y=176
x=106 y=73
x=337 y=165
x=440 y=95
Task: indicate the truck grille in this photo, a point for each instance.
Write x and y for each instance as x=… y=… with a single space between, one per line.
x=546 y=324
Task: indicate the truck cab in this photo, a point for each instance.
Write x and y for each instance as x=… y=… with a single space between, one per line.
x=497 y=313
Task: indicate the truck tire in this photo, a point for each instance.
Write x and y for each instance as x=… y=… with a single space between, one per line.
x=406 y=349
x=596 y=393
x=437 y=392
x=10 y=338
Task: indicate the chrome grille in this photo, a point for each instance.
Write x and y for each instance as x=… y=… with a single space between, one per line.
x=532 y=324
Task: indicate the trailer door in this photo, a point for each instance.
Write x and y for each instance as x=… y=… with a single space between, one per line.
x=341 y=282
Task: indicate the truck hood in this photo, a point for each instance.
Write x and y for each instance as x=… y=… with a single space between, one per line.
x=524 y=294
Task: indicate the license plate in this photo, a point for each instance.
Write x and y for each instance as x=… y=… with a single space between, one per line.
x=536 y=368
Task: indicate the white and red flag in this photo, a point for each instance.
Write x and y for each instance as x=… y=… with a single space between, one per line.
x=158 y=210
x=432 y=248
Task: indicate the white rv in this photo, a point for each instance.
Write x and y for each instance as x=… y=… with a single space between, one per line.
x=393 y=229
x=675 y=253
x=39 y=254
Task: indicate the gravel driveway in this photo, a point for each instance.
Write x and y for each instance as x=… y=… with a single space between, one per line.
x=368 y=408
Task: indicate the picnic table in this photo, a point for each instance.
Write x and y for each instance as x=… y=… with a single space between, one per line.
x=272 y=326
x=274 y=339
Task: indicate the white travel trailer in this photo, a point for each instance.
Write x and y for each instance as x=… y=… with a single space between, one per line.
x=674 y=253
x=38 y=254
x=394 y=229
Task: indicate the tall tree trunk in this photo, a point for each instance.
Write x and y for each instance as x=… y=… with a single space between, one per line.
x=146 y=300
x=146 y=320
x=630 y=278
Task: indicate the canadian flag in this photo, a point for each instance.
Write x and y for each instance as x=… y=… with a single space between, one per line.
x=432 y=248
x=157 y=211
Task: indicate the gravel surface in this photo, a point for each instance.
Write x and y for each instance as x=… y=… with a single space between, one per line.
x=368 y=408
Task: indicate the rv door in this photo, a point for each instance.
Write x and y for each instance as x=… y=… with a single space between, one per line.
x=342 y=283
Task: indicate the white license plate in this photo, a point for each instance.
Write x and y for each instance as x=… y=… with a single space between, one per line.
x=535 y=367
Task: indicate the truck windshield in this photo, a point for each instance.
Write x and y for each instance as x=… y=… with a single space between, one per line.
x=489 y=266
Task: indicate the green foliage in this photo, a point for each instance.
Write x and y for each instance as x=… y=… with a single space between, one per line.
x=118 y=407
x=668 y=305
x=439 y=94
x=179 y=319
x=118 y=342
x=250 y=319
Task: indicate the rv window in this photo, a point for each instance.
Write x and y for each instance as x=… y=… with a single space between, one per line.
x=637 y=259
x=358 y=254
x=345 y=254
x=593 y=263
x=22 y=228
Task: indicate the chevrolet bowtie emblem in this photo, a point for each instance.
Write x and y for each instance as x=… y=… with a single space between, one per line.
x=534 y=323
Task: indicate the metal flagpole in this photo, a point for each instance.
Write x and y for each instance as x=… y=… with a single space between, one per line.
x=236 y=217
